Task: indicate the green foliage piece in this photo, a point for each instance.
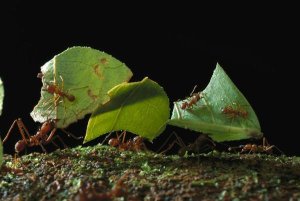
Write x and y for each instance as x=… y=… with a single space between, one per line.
x=1 y=95
x=80 y=78
x=1 y=153
x=223 y=112
x=139 y=107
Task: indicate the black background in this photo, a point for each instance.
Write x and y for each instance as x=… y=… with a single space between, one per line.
x=176 y=45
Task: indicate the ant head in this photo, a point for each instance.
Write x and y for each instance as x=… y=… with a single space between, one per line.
x=114 y=142
x=137 y=140
x=48 y=125
x=20 y=146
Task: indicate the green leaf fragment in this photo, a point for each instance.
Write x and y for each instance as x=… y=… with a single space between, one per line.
x=83 y=73
x=141 y=108
x=1 y=95
x=1 y=153
x=223 y=112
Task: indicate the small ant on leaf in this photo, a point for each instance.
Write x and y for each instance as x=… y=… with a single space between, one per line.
x=253 y=148
x=58 y=90
x=192 y=100
x=233 y=113
x=201 y=144
x=42 y=136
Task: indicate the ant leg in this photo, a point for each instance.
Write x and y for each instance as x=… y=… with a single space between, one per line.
x=71 y=134
x=124 y=136
x=268 y=147
x=22 y=128
x=106 y=137
x=177 y=141
x=166 y=141
x=193 y=90
x=61 y=141
x=54 y=143
x=43 y=148
x=9 y=131
x=48 y=140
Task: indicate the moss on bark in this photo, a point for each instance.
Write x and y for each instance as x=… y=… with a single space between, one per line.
x=102 y=172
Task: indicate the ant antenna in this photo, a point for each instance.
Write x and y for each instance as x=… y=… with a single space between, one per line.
x=193 y=90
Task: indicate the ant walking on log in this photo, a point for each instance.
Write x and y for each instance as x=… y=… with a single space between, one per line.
x=253 y=148
x=201 y=144
x=193 y=99
x=135 y=144
x=42 y=136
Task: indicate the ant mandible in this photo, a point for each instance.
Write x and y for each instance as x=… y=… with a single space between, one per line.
x=136 y=144
x=193 y=99
x=42 y=136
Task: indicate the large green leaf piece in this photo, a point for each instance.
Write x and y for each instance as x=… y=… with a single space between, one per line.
x=223 y=112
x=1 y=95
x=139 y=107
x=80 y=78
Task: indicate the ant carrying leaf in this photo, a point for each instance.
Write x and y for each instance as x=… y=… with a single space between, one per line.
x=75 y=83
x=213 y=112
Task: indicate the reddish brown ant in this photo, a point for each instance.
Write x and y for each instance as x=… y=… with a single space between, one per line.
x=202 y=143
x=233 y=113
x=55 y=89
x=253 y=148
x=192 y=100
x=40 y=138
x=136 y=144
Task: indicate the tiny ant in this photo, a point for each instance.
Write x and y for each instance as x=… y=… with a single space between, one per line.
x=136 y=144
x=40 y=138
x=232 y=113
x=55 y=89
x=193 y=99
x=202 y=143
x=253 y=148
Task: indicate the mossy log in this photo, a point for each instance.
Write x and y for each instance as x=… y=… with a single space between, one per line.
x=105 y=173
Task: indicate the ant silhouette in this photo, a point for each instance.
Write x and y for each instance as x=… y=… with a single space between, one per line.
x=201 y=144
x=41 y=138
x=136 y=144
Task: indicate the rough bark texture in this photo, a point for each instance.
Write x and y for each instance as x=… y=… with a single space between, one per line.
x=105 y=173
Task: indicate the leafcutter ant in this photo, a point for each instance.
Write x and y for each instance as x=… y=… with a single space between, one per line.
x=192 y=100
x=41 y=138
x=136 y=144
x=55 y=89
x=253 y=148
x=201 y=144
x=233 y=113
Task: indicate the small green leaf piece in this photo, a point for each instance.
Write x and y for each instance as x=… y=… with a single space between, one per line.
x=1 y=95
x=75 y=83
x=141 y=108
x=222 y=112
